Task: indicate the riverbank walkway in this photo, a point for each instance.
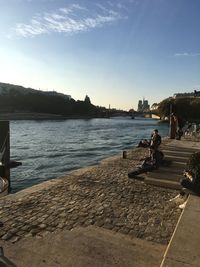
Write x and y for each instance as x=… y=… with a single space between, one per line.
x=183 y=249
x=94 y=216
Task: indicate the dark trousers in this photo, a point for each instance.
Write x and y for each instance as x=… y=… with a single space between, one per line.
x=194 y=187
x=156 y=156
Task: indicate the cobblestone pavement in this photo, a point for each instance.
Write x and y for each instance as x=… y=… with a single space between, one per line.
x=102 y=196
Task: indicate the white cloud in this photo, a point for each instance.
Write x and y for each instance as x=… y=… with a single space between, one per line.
x=186 y=54
x=71 y=19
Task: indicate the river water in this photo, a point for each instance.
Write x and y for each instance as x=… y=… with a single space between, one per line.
x=49 y=149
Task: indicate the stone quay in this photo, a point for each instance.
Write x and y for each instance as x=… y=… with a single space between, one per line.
x=100 y=195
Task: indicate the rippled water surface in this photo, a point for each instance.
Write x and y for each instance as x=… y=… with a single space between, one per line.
x=48 y=149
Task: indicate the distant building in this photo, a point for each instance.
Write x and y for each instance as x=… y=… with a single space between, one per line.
x=182 y=95
x=143 y=105
x=196 y=93
x=54 y=93
x=140 y=106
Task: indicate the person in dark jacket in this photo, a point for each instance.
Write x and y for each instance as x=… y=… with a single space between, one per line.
x=155 y=140
x=191 y=179
x=154 y=148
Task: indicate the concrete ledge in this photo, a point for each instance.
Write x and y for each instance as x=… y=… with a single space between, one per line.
x=84 y=247
x=183 y=249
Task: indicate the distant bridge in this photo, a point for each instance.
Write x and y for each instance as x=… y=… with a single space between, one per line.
x=148 y=114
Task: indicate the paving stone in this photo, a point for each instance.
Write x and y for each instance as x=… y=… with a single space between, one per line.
x=42 y=226
x=14 y=239
x=108 y=226
x=21 y=233
x=7 y=236
x=34 y=231
x=124 y=230
x=99 y=223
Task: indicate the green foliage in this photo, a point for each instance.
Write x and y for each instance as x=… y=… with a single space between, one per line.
x=154 y=106
x=87 y=99
x=186 y=108
x=18 y=99
x=164 y=107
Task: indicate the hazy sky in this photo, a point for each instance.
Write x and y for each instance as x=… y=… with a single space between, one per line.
x=115 y=51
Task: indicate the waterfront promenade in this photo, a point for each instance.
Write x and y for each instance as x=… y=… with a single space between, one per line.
x=94 y=216
x=99 y=197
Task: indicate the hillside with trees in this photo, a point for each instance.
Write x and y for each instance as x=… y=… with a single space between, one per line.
x=16 y=99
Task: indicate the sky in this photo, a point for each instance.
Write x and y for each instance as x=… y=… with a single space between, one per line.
x=114 y=51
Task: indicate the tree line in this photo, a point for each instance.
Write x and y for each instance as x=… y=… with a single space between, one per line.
x=187 y=108
x=38 y=102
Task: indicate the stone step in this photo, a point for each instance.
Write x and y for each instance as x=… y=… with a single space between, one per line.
x=180 y=149
x=178 y=165
x=172 y=170
x=163 y=183
x=176 y=153
x=86 y=246
x=176 y=159
x=164 y=176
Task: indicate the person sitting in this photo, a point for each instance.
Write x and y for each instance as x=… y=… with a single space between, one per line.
x=155 y=155
x=191 y=180
x=179 y=134
x=151 y=162
x=155 y=142
x=155 y=139
x=143 y=143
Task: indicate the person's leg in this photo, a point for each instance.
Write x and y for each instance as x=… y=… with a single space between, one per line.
x=156 y=158
x=186 y=183
x=182 y=195
x=190 y=187
x=180 y=198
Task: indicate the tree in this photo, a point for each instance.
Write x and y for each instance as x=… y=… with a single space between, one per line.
x=154 y=106
x=186 y=108
x=164 y=107
x=87 y=99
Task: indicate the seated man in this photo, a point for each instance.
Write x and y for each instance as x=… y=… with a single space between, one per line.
x=191 y=180
x=192 y=175
x=154 y=147
x=191 y=184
